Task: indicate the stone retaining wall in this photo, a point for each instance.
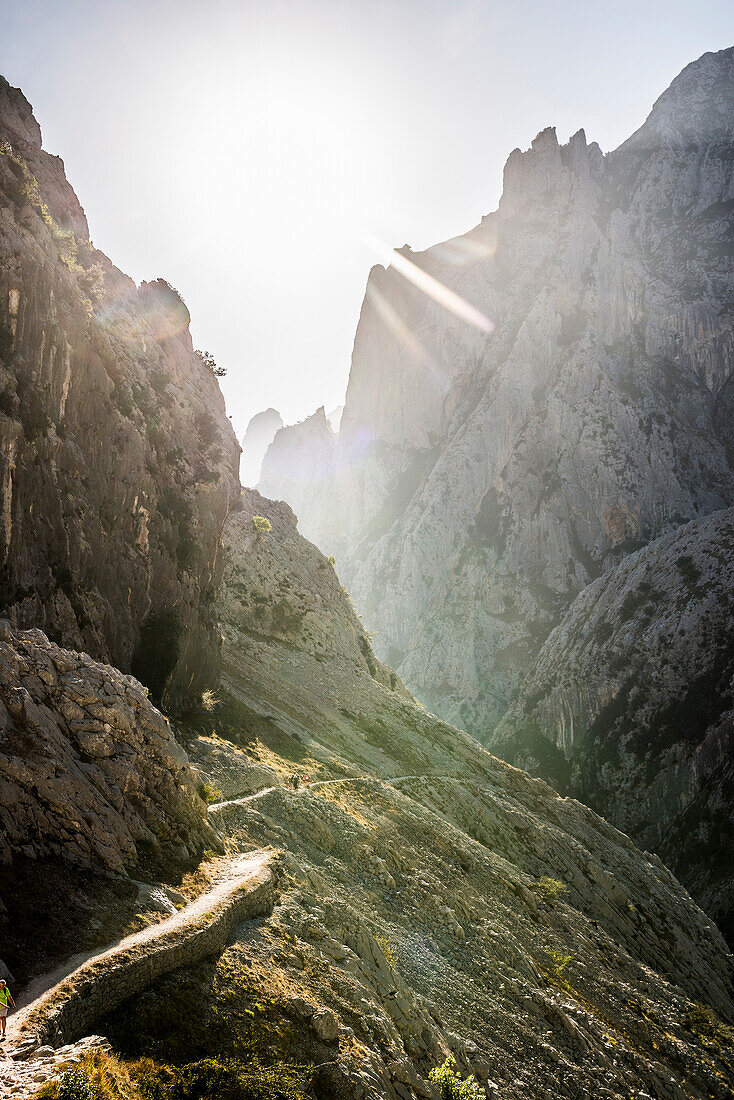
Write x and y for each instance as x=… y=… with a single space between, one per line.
x=71 y=1008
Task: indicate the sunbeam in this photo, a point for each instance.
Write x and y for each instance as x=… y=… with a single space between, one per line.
x=436 y=290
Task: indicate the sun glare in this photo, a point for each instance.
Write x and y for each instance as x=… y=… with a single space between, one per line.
x=436 y=290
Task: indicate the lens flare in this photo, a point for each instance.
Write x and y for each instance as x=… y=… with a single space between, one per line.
x=441 y=294
x=399 y=329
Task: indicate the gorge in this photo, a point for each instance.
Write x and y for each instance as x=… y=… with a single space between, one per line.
x=217 y=790
x=481 y=487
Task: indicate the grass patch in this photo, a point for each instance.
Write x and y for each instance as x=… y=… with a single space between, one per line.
x=102 y=1076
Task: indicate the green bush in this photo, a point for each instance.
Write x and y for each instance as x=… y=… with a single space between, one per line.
x=451 y=1084
x=209 y=793
x=559 y=962
x=550 y=888
x=262 y=525
x=75 y=1085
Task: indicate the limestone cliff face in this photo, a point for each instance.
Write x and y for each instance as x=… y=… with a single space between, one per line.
x=480 y=483
x=117 y=461
x=630 y=705
x=280 y=589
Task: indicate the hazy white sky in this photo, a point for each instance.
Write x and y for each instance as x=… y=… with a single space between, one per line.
x=243 y=149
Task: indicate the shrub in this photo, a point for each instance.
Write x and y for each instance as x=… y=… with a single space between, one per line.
x=559 y=962
x=208 y=699
x=209 y=362
x=209 y=793
x=451 y=1084
x=331 y=560
x=262 y=525
x=75 y=1085
x=550 y=888
x=387 y=949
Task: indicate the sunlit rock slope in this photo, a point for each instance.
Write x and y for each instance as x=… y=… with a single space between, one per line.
x=434 y=900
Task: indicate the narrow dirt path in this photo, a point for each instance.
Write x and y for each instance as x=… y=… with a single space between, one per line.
x=67 y=1000
x=230 y=803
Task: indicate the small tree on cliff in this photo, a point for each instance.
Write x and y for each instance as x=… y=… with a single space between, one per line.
x=210 y=363
x=262 y=525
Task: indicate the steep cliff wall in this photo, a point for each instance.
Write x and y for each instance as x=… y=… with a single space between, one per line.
x=630 y=705
x=480 y=483
x=117 y=461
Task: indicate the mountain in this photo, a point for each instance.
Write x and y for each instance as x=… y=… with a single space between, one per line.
x=118 y=463
x=300 y=456
x=258 y=437
x=334 y=417
x=292 y=880
x=478 y=483
x=630 y=705
x=434 y=901
x=418 y=899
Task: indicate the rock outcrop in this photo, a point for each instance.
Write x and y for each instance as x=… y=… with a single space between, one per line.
x=434 y=902
x=70 y=1009
x=281 y=590
x=630 y=705
x=90 y=771
x=117 y=461
x=258 y=437
x=479 y=483
x=300 y=460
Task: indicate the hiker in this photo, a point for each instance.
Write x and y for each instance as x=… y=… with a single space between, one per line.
x=6 y=1000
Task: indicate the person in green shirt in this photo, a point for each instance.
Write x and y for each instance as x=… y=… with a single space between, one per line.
x=6 y=1001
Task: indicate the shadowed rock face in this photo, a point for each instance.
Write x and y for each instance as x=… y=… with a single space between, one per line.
x=117 y=461
x=479 y=484
x=630 y=705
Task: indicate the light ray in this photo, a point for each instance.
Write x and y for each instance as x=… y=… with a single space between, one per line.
x=436 y=290
x=400 y=330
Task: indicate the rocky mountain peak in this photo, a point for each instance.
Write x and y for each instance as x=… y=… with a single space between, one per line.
x=497 y=479
x=697 y=108
x=17 y=122
x=258 y=437
x=118 y=463
x=547 y=172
